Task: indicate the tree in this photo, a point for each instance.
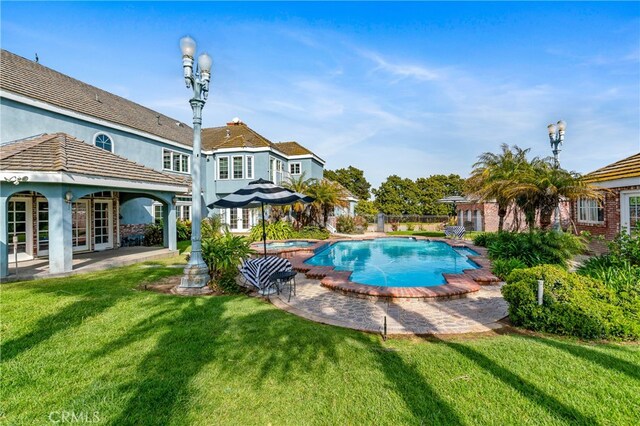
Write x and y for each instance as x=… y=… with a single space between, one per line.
x=327 y=195
x=351 y=178
x=398 y=196
x=435 y=187
x=299 y=184
x=366 y=208
x=543 y=185
x=494 y=175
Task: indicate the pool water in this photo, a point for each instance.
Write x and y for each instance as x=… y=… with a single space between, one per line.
x=394 y=262
x=289 y=244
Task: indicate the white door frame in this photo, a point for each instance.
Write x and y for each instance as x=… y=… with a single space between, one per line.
x=109 y=243
x=28 y=255
x=37 y=227
x=88 y=222
x=625 y=220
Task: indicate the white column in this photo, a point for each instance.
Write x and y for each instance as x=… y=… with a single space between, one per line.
x=60 y=245
x=169 y=221
x=4 y=248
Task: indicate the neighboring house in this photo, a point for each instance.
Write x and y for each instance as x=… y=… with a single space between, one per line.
x=483 y=216
x=620 y=208
x=82 y=169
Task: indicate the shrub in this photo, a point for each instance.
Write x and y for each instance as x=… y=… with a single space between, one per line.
x=227 y=284
x=279 y=230
x=572 y=304
x=183 y=230
x=501 y=268
x=532 y=248
x=312 y=232
x=410 y=226
x=626 y=247
x=224 y=253
x=153 y=234
x=361 y=224
x=346 y=225
x=210 y=226
x=481 y=239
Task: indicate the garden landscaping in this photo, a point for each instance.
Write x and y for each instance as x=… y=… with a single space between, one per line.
x=98 y=344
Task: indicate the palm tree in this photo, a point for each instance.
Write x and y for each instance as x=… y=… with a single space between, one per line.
x=301 y=185
x=543 y=185
x=327 y=195
x=494 y=174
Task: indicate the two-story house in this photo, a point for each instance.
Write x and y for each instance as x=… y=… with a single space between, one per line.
x=82 y=168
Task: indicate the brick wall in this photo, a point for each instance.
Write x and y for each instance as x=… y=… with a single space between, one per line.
x=513 y=221
x=612 y=214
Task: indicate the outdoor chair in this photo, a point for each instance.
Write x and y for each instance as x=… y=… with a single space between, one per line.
x=454 y=231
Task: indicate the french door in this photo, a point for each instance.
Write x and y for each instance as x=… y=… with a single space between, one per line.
x=102 y=225
x=629 y=210
x=80 y=225
x=20 y=227
x=43 y=227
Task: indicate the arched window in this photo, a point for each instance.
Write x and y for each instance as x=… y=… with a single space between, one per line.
x=103 y=141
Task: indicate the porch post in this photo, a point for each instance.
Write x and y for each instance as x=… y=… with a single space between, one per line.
x=4 y=248
x=169 y=220
x=60 y=245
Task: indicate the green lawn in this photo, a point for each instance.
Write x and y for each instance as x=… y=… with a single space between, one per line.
x=96 y=344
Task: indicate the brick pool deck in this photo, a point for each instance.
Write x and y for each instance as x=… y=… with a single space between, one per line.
x=470 y=302
x=478 y=312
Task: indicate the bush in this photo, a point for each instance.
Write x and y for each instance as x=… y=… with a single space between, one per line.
x=626 y=247
x=279 y=230
x=501 y=268
x=410 y=226
x=183 y=230
x=227 y=284
x=153 y=234
x=210 y=227
x=312 y=232
x=532 y=248
x=572 y=304
x=346 y=225
x=224 y=253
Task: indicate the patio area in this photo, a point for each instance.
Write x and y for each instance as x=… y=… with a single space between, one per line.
x=479 y=312
x=87 y=262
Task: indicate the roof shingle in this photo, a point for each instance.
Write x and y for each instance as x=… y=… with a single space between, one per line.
x=60 y=152
x=625 y=168
x=292 y=148
x=27 y=78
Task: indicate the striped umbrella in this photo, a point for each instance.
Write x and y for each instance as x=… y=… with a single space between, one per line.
x=259 y=193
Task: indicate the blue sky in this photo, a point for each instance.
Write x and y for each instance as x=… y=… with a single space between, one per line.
x=411 y=89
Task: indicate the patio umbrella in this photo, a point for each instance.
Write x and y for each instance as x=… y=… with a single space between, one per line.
x=259 y=193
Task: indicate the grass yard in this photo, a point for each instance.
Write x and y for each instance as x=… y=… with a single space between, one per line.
x=96 y=344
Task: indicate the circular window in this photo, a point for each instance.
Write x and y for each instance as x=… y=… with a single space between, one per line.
x=103 y=141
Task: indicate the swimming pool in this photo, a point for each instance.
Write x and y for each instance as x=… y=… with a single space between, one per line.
x=289 y=244
x=394 y=262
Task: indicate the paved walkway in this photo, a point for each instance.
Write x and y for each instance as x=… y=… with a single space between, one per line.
x=88 y=262
x=478 y=312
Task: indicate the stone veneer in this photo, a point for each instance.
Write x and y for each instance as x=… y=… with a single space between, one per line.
x=457 y=285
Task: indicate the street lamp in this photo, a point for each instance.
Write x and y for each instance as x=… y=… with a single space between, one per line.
x=196 y=273
x=556 y=137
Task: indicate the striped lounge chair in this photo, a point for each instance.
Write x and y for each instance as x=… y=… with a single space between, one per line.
x=258 y=271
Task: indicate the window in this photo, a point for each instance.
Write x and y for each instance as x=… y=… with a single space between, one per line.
x=294 y=168
x=184 y=212
x=237 y=168
x=157 y=212
x=223 y=167
x=175 y=161
x=590 y=211
x=249 y=160
x=104 y=142
x=275 y=167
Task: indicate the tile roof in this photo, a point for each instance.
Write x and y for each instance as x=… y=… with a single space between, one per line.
x=625 y=168
x=292 y=148
x=30 y=79
x=239 y=135
x=60 y=152
x=233 y=136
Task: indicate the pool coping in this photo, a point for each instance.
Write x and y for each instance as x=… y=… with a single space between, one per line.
x=457 y=285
